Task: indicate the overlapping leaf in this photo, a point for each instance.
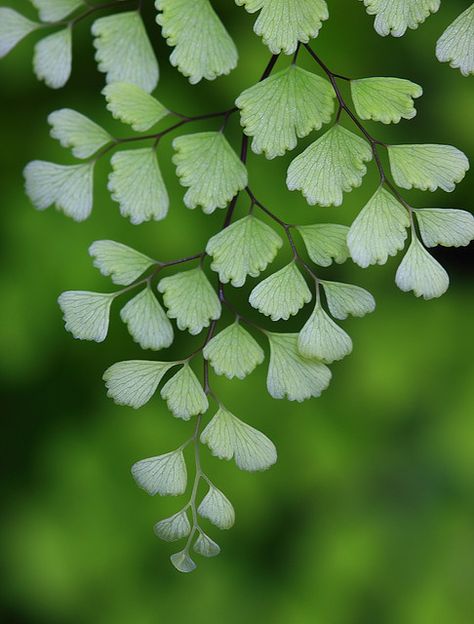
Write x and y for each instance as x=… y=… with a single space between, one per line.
x=322 y=338
x=347 y=299
x=184 y=394
x=147 y=321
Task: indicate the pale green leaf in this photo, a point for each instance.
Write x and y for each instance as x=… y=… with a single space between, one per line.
x=233 y=352
x=252 y=6
x=427 y=167
x=86 y=314
x=385 y=99
x=134 y=382
x=202 y=45
x=244 y=248
x=183 y=562
x=134 y=106
x=217 y=508
x=282 y=294
x=205 y=546
x=456 y=44
x=393 y=17
x=68 y=187
x=446 y=227
x=379 y=230
x=229 y=437
x=347 y=299
x=72 y=129
x=323 y=339
x=284 y=108
x=13 y=28
x=174 y=528
x=290 y=374
x=164 y=475
x=330 y=166
x=122 y=263
x=137 y=185
x=184 y=394
x=190 y=299
x=123 y=50
x=56 y=10
x=207 y=165
x=52 y=58
x=421 y=273
x=147 y=321
x=325 y=242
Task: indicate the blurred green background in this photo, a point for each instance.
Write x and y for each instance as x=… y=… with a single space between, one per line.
x=368 y=516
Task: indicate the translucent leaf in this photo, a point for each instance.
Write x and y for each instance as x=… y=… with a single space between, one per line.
x=123 y=50
x=283 y=108
x=347 y=299
x=379 y=231
x=183 y=562
x=137 y=185
x=134 y=382
x=205 y=546
x=325 y=242
x=55 y=10
x=122 y=263
x=233 y=352
x=13 y=28
x=333 y=164
x=190 y=299
x=52 y=59
x=164 y=475
x=427 y=167
x=86 y=314
x=385 y=99
x=421 y=273
x=290 y=374
x=322 y=339
x=147 y=321
x=174 y=528
x=208 y=166
x=72 y=129
x=456 y=44
x=202 y=45
x=184 y=395
x=217 y=508
x=444 y=226
x=393 y=17
x=133 y=105
x=244 y=248
x=68 y=187
x=229 y=437
x=282 y=294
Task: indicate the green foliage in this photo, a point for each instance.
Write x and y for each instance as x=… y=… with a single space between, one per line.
x=13 y=28
x=134 y=106
x=52 y=60
x=385 y=99
x=456 y=44
x=74 y=130
x=395 y=16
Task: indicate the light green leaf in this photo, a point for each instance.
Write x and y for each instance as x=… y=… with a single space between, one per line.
x=283 y=108
x=322 y=339
x=137 y=185
x=164 y=475
x=52 y=58
x=217 y=508
x=427 y=167
x=385 y=99
x=86 y=314
x=330 y=166
x=393 y=17
x=183 y=562
x=13 y=28
x=233 y=352
x=325 y=242
x=184 y=394
x=444 y=226
x=68 y=187
x=202 y=45
x=347 y=299
x=421 y=273
x=123 y=50
x=55 y=10
x=291 y=375
x=456 y=44
x=229 y=437
x=205 y=546
x=134 y=106
x=72 y=129
x=252 y=6
x=282 y=294
x=134 y=382
x=147 y=321
x=379 y=231
x=122 y=263
x=244 y=248
x=207 y=165
x=174 y=528
x=190 y=299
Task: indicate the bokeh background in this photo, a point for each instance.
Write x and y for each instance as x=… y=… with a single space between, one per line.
x=368 y=516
